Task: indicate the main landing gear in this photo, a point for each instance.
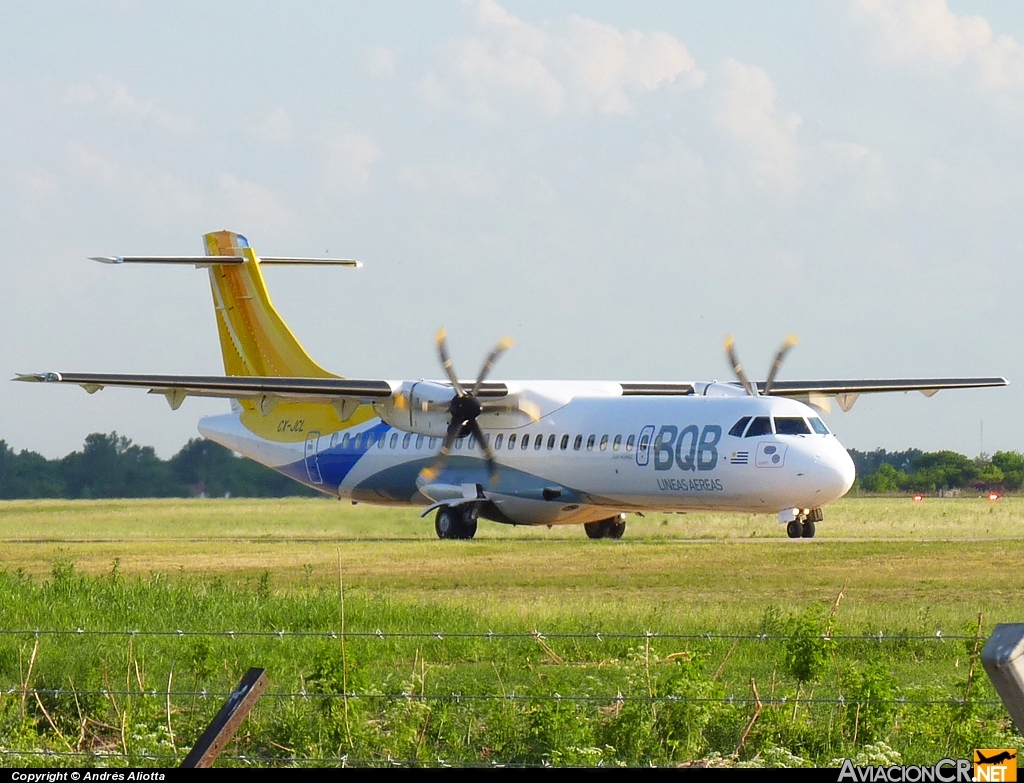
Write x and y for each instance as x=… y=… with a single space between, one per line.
x=803 y=526
x=456 y=521
x=606 y=528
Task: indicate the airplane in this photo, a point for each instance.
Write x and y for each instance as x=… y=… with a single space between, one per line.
x=514 y=452
x=1005 y=755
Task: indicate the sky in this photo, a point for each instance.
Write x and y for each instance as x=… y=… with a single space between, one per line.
x=618 y=186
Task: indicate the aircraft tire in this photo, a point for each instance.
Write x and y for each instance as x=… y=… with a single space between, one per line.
x=446 y=522
x=467 y=525
x=616 y=528
x=595 y=530
x=795 y=529
x=808 y=531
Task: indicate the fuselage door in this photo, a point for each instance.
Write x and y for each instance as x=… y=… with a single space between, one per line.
x=643 y=446
x=312 y=457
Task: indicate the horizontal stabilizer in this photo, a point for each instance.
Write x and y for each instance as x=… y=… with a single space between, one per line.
x=284 y=261
x=198 y=261
x=207 y=261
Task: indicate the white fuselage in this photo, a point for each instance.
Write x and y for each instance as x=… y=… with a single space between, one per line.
x=592 y=453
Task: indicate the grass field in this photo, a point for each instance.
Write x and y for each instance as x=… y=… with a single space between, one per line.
x=918 y=573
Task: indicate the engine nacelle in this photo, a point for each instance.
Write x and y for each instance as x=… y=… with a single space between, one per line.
x=410 y=416
x=716 y=389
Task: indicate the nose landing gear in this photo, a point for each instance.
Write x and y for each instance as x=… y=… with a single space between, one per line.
x=803 y=526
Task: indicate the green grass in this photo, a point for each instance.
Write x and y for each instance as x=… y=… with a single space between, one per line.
x=903 y=569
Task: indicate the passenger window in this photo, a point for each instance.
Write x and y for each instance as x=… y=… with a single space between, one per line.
x=511 y=441
x=565 y=442
x=616 y=443
x=551 y=442
x=394 y=440
x=819 y=426
x=419 y=441
x=487 y=439
x=526 y=441
x=629 y=443
x=577 y=443
x=737 y=428
x=791 y=425
x=334 y=440
x=604 y=442
x=369 y=439
x=471 y=443
x=357 y=441
x=761 y=425
x=458 y=443
x=344 y=440
x=380 y=441
x=590 y=443
x=498 y=440
x=432 y=443
x=405 y=440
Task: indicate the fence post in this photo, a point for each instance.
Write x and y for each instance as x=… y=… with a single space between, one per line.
x=231 y=715
x=1003 y=659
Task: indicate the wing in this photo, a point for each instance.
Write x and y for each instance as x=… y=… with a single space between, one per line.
x=263 y=390
x=820 y=393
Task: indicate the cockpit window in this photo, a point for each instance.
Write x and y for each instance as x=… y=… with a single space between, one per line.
x=761 y=425
x=791 y=425
x=818 y=426
x=737 y=428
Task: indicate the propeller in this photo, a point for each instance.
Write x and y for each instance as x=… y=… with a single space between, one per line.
x=465 y=407
x=737 y=368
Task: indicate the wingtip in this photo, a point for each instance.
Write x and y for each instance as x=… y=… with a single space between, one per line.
x=107 y=259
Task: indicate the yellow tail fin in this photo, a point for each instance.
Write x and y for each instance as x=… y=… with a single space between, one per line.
x=253 y=338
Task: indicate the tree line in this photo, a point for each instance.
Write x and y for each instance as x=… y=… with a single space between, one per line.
x=111 y=466
x=931 y=471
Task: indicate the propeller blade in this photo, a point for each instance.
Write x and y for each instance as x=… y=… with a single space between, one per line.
x=737 y=368
x=789 y=343
x=430 y=473
x=492 y=463
x=442 y=349
x=503 y=345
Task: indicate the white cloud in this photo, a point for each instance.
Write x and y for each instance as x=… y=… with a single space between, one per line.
x=94 y=166
x=581 y=66
x=244 y=203
x=381 y=61
x=928 y=33
x=437 y=180
x=348 y=163
x=116 y=98
x=744 y=108
x=275 y=128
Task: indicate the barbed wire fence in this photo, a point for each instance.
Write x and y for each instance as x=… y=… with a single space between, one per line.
x=752 y=703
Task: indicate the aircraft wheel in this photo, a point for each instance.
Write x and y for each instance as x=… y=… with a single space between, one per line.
x=616 y=527
x=795 y=529
x=446 y=523
x=467 y=525
x=595 y=529
x=808 y=529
